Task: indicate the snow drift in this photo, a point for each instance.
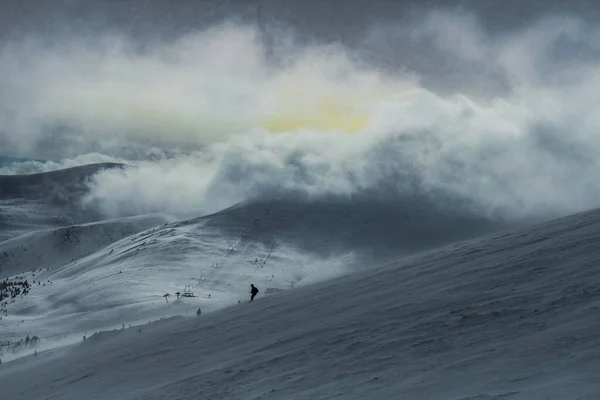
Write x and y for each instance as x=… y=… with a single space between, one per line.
x=513 y=312
x=302 y=167
x=117 y=271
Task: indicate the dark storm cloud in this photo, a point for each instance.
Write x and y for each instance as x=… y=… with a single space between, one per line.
x=328 y=20
x=505 y=95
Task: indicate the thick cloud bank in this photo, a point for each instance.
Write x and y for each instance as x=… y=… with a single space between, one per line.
x=235 y=121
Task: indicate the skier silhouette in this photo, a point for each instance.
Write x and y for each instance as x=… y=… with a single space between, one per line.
x=254 y=291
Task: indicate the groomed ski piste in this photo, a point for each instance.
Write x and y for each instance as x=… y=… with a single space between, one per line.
x=511 y=315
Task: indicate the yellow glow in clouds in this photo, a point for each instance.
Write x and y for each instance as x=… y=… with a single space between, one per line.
x=327 y=108
x=324 y=114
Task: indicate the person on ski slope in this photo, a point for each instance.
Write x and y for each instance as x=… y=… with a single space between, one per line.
x=253 y=290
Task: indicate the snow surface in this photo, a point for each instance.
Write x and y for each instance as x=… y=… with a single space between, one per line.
x=508 y=316
x=105 y=274
x=374 y=162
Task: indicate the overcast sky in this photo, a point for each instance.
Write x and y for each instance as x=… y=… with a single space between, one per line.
x=380 y=29
x=327 y=19
x=346 y=21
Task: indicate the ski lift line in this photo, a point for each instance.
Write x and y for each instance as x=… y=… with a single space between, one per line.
x=226 y=254
x=252 y=229
x=263 y=262
x=219 y=262
x=231 y=248
x=287 y=227
x=205 y=277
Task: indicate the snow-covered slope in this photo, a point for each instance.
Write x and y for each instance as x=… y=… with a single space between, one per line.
x=59 y=246
x=512 y=316
x=46 y=200
x=115 y=272
x=109 y=284
x=60 y=186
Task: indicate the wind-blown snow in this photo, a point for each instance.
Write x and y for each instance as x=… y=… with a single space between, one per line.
x=157 y=178
x=59 y=246
x=44 y=200
x=106 y=273
x=507 y=316
x=231 y=117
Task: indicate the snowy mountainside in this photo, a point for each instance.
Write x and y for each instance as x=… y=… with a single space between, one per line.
x=373 y=228
x=511 y=316
x=104 y=274
x=46 y=200
x=49 y=248
x=62 y=185
x=380 y=176
x=116 y=278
